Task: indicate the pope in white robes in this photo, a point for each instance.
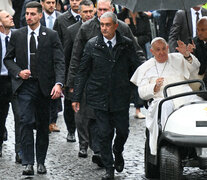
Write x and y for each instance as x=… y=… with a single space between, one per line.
x=153 y=75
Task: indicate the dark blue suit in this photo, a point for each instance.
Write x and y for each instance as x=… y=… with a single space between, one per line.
x=34 y=94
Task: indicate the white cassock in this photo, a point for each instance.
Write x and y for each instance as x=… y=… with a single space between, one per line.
x=175 y=69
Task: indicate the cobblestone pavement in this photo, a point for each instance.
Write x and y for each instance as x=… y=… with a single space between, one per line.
x=63 y=163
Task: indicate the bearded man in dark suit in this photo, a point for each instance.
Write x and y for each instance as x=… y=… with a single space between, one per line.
x=37 y=76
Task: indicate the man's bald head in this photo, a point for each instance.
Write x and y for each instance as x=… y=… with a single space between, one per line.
x=6 y=21
x=202 y=28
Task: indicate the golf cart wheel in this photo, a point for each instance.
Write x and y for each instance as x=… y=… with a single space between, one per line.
x=151 y=170
x=170 y=163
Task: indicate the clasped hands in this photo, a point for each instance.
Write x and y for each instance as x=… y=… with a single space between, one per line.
x=159 y=83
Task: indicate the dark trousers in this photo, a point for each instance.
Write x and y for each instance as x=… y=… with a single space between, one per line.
x=5 y=98
x=87 y=127
x=34 y=110
x=69 y=116
x=108 y=122
x=55 y=107
x=138 y=102
x=94 y=142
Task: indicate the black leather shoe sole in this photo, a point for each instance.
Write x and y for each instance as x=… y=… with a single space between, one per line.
x=97 y=159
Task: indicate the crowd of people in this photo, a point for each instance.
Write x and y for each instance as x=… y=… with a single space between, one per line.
x=87 y=51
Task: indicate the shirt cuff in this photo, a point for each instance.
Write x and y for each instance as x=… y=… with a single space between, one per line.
x=59 y=83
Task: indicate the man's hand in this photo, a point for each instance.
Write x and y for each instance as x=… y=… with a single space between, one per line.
x=159 y=83
x=56 y=91
x=127 y=21
x=71 y=90
x=76 y=106
x=184 y=49
x=25 y=74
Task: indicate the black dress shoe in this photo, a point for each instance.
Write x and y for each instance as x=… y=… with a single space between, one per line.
x=28 y=170
x=83 y=153
x=18 y=158
x=41 y=169
x=71 y=137
x=119 y=162
x=96 y=158
x=1 y=150
x=109 y=174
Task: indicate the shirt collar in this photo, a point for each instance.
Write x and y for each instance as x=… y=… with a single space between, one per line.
x=193 y=11
x=2 y=35
x=113 y=40
x=53 y=15
x=36 y=31
x=73 y=13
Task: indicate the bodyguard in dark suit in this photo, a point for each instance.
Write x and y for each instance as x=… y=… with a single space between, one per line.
x=86 y=9
x=49 y=12
x=184 y=26
x=48 y=19
x=65 y=20
x=105 y=69
x=6 y=23
x=200 y=50
x=37 y=75
x=68 y=18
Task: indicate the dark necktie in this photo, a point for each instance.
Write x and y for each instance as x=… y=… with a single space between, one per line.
x=110 y=45
x=197 y=16
x=33 y=50
x=77 y=18
x=6 y=41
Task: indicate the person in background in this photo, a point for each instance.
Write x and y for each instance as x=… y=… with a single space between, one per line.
x=200 y=50
x=184 y=26
x=86 y=10
x=48 y=19
x=68 y=18
x=6 y=25
x=140 y=26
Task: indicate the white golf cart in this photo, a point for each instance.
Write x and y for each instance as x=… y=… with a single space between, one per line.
x=182 y=142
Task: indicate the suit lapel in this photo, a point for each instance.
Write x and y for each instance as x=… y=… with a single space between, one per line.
x=25 y=44
x=41 y=38
x=189 y=16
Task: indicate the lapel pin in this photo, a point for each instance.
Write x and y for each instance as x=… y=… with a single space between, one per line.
x=43 y=33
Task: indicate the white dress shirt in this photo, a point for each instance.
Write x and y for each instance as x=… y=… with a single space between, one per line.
x=193 y=14
x=3 y=70
x=36 y=34
x=113 y=41
x=47 y=18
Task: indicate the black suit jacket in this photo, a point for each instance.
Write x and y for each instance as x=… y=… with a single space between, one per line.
x=42 y=20
x=179 y=29
x=70 y=35
x=62 y=22
x=50 y=58
x=12 y=30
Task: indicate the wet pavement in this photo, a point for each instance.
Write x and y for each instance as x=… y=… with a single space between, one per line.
x=63 y=162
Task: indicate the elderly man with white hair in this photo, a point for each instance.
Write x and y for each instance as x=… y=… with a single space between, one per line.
x=153 y=75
